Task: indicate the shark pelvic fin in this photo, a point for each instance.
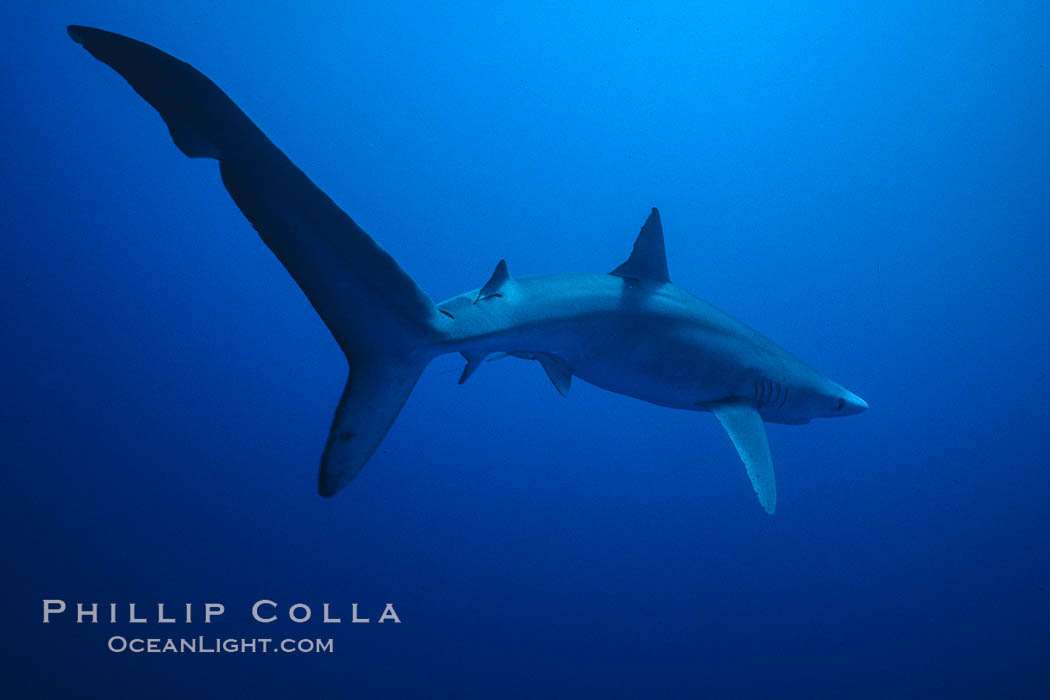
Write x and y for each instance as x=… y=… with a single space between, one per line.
x=492 y=288
x=558 y=370
x=744 y=425
x=648 y=259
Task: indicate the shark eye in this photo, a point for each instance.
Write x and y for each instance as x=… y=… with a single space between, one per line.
x=840 y=404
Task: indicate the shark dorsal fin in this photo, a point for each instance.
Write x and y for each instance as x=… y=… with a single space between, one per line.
x=492 y=288
x=648 y=260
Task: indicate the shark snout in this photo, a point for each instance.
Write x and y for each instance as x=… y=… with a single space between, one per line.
x=854 y=405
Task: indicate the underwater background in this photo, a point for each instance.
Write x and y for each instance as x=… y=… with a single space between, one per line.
x=867 y=185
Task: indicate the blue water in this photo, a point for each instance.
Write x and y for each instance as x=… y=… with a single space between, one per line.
x=866 y=186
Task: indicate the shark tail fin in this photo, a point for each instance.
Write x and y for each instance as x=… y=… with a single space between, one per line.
x=372 y=400
x=385 y=324
x=203 y=121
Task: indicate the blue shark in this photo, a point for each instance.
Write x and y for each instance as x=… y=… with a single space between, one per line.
x=630 y=331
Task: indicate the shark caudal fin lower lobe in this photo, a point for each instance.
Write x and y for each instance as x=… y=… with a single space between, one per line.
x=382 y=320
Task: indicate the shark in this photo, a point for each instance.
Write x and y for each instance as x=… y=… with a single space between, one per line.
x=630 y=331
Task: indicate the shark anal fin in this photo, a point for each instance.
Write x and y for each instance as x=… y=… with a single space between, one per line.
x=648 y=259
x=745 y=428
x=473 y=362
x=556 y=367
x=558 y=370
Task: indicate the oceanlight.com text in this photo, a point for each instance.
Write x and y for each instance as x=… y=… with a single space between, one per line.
x=217 y=645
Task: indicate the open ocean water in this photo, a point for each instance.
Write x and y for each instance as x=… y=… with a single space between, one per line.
x=867 y=184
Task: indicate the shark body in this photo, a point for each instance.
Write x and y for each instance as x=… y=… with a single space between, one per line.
x=631 y=331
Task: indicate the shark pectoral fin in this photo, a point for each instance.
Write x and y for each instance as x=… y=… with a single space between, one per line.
x=558 y=370
x=744 y=425
x=374 y=394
